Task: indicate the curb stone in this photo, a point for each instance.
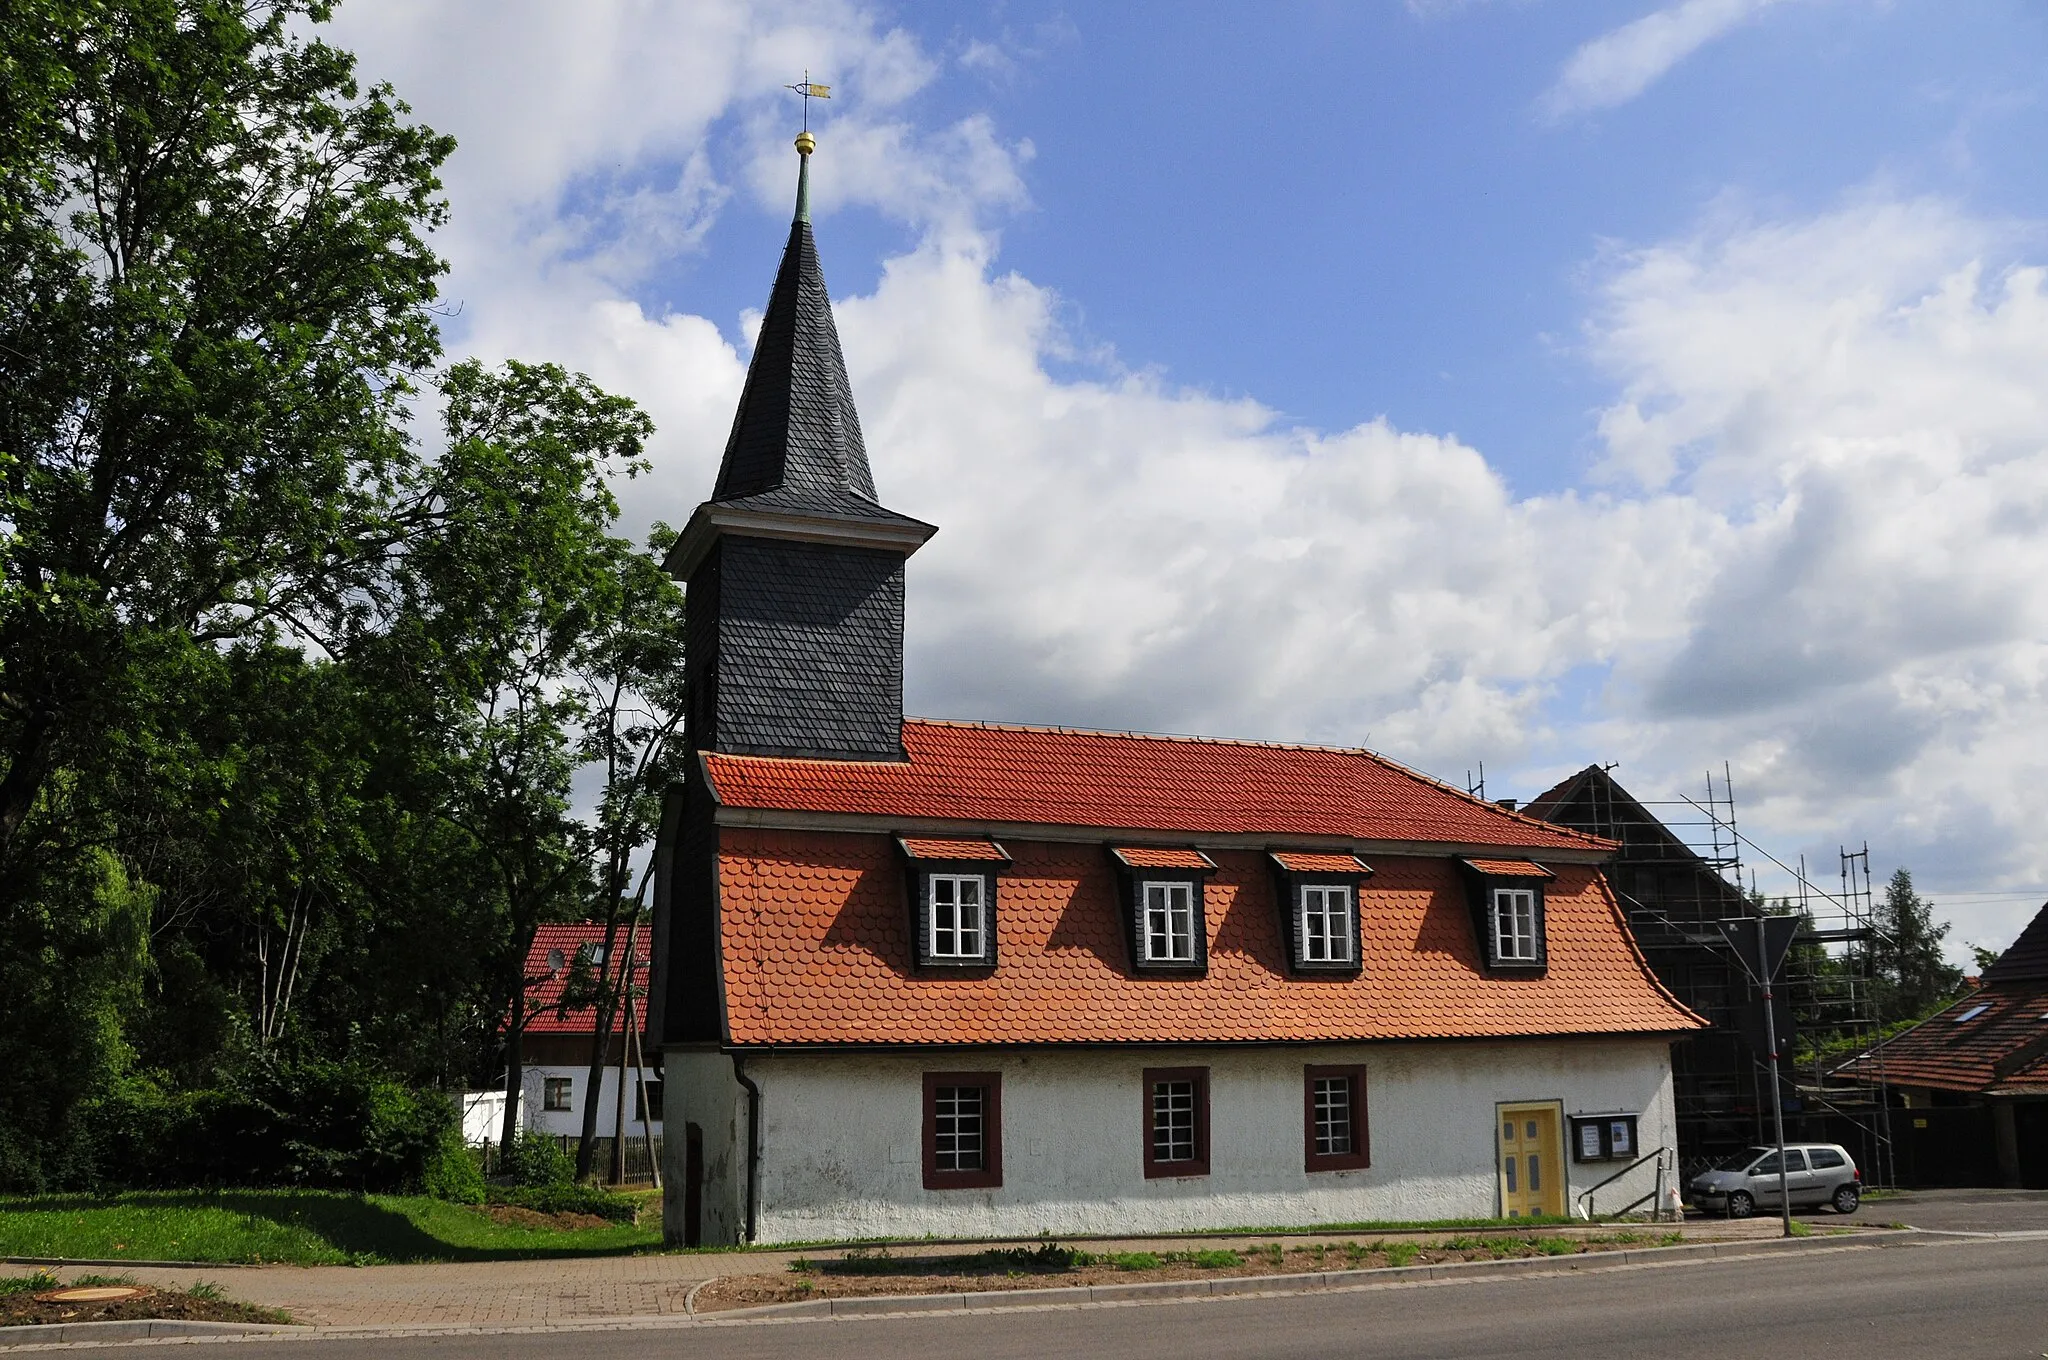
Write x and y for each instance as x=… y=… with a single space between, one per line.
x=140 y=1329
x=1313 y=1282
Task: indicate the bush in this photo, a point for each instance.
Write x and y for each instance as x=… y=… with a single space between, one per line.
x=538 y=1160
x=278 y=1121
x=453 y=1173
x=568 y=1199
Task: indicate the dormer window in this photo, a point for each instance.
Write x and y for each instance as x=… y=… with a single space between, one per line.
x=1319 y=899
x=954 y=916
x=1514 y=925
x=1169 y=931
x=1507 y=908
x=1163 y=916
x=952 y=892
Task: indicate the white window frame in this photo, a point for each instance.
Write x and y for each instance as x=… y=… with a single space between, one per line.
x=958 y=931
x=1515 y=937
x=1176 y=1122
x=1315 y=905
x=1157 y=925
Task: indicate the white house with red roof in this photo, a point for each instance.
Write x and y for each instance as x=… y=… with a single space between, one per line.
x=555 y=1049
x=967 y=979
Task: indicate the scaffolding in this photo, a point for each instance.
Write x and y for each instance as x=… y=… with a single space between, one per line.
x=1680 y=870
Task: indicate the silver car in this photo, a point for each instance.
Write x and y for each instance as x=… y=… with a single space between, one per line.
x=1815 y=1174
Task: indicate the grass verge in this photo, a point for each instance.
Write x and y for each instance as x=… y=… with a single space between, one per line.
x=24 y=1302
x=871 y=1271
x=299 y=1227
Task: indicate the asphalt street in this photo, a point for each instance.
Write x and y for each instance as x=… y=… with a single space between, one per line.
x=1952 y=1297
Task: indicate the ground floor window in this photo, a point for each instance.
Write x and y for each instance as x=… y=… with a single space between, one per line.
x=1333 y=1119
x=555 y=1092
x=1176 y=1121
x=963 y=1128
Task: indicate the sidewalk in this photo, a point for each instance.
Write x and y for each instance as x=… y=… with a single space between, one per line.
x=563 y=1292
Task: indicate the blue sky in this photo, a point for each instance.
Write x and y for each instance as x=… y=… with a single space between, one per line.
x=1534 y=383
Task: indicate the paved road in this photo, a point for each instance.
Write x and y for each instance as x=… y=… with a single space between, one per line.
x=1950 y=1297
x=1962 y=1211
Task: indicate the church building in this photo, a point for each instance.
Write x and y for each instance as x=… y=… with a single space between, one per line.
x=975 y=979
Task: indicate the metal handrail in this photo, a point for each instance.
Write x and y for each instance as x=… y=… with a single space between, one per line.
x=1657 y=1156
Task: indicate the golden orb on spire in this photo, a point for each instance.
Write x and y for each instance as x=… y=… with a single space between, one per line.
x=806 y=143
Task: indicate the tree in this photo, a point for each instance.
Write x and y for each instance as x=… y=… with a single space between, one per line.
x=218 y=288
x=499 y=604
x=1909 y=975
x=630 y=671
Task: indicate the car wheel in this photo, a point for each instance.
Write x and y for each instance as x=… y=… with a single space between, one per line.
x=1741 y=1204
x=1847 y=1197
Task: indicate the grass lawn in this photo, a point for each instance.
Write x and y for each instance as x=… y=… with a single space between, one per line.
x=293 y=1227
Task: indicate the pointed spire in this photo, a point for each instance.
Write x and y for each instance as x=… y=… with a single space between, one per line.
x=797 y=431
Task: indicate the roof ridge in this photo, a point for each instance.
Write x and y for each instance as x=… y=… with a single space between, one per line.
x=1187 y=737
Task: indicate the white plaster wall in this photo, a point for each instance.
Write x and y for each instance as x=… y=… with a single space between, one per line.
x=700 y=1089
x=841 y=1152
x=570 y=1121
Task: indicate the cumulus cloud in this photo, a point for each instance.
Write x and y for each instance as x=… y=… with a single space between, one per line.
x=1620 y=64
x=1810 y=548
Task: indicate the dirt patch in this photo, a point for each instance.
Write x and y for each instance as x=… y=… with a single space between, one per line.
x=518 y=1216
x=866 y=1273
x=23 y=1308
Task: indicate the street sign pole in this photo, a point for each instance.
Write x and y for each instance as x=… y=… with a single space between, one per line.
x=1777 y=1097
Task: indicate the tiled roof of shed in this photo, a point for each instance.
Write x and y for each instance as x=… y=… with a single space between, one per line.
x=816 y=950
x=987 y=773
x=1298 y=862
x=932 y=847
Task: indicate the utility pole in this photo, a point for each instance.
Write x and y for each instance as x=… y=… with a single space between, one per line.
x=1760 y=944
x=1777 y=1096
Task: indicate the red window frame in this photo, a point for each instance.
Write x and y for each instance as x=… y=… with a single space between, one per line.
x=1199 y=1166
x=990 y=1173
x=1360 y=1155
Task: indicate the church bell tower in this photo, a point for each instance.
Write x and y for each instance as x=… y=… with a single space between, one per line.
x=794 y=569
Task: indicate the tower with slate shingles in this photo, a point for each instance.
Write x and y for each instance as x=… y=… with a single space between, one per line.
x=794 y=568
x=794 y=578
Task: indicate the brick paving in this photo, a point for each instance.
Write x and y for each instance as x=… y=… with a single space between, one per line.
x=645 y=1287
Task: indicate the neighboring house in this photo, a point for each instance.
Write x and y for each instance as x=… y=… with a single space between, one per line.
x=1973 y=1078
x=966 y=979
x=557 y=1045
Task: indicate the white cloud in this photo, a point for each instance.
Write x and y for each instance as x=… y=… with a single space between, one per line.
x=1813 y=549
x=1620 y=64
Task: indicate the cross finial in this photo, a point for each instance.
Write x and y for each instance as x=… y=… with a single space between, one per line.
x=809 y=92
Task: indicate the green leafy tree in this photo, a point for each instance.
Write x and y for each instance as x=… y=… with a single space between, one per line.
x=218 y=286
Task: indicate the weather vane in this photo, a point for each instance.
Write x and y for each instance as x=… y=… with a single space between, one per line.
x=809 y=92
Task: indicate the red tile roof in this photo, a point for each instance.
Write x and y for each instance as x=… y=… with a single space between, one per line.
x=547 y=971
x=2001 y=1051
x=1297 y=862
x=815 y=949
x=929 y=847
x=1050 y=776
x=1157 y=857
x=1510 y=868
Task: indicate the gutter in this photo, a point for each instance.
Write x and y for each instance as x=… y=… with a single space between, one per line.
x=739 y=1072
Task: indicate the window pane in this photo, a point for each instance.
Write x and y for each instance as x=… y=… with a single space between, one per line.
x=957 y=1128
x=1169 y=923
x=1535 y=1174
x=1511 y=1175
x=956 y=916
x=1173 y=1121
x=1333 y=1116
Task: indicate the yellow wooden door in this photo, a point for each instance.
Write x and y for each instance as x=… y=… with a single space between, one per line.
x=1531 y=1167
